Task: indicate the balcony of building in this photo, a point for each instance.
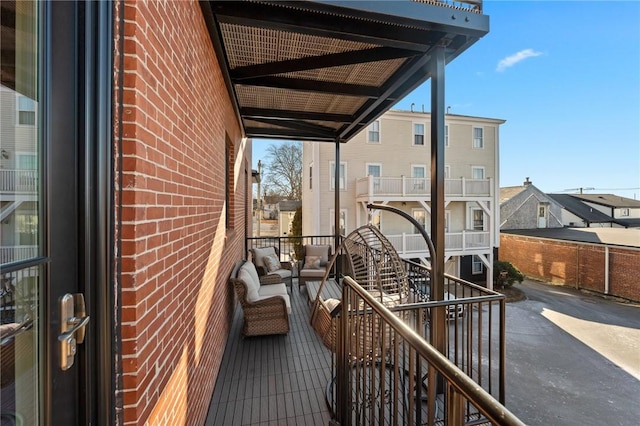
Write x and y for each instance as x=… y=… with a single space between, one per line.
x=296 y=378
x=16 y=181
x=402 y=188
x=462 y=243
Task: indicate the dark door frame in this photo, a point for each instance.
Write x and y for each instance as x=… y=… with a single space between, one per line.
x=77 y=38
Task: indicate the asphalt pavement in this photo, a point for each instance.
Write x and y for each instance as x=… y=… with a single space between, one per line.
x=572 y=358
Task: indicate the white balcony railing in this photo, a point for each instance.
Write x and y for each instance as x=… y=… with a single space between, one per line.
x=406 y=244
x=12 y=254
x=376 y=187
x=18 y=180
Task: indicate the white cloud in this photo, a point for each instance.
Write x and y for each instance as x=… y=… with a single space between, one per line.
x=511 y=60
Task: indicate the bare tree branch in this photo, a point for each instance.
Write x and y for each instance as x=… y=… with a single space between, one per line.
x=283 y=169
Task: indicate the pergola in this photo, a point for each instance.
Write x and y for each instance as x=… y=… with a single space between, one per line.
x=324 y=70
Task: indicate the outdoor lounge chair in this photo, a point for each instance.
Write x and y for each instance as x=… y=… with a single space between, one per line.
x=268 y=264
x=314 y=262
x=266 y=306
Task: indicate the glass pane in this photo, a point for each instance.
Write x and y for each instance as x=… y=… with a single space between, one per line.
x=20 y=220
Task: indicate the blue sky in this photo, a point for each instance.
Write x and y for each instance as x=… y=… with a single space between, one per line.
x=566 y=77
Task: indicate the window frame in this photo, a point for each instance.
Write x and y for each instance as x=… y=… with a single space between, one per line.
x=472 y=220
x=446 y=136
x=475 y=260
x=478 y=168
x=424 y=130
x=371 y=130
x=343 y=177
x=332 y=223
x=19 y=110
x=379 y=165
x=413 y=215
x=475 y=139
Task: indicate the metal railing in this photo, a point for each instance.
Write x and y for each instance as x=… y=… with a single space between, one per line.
x=18 y=180
x=386 y=372
x=403 y=186
x=468 y=5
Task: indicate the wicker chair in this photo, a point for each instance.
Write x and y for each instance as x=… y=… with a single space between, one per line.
x=265 y=306
x=372 y=261
x=308 y=272
x=282 y=271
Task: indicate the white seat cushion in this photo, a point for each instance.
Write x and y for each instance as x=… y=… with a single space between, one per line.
x=275 y=290
x=260 y=253
x=249 y=276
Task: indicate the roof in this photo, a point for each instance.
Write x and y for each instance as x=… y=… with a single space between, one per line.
x=509 y=192
x=612 y=236
x=628 y=223
x=609 y=200
x=324 y=70
x=288 y=206
x=580 y=209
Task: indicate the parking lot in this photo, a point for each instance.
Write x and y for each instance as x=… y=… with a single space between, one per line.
x=572 y=358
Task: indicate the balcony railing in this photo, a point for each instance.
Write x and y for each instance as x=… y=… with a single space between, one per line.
x=11 y=254
x=18 y=180
x=402 y=186
x=387 y=373
x=407 y=244
x=468 y=5
x=405 y=380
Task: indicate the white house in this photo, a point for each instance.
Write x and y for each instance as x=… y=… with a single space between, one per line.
x=389 y=163
x=19 y=162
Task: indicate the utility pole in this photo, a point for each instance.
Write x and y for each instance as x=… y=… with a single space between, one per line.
x=259 y=200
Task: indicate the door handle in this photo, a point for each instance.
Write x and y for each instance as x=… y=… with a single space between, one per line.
x=73 y=320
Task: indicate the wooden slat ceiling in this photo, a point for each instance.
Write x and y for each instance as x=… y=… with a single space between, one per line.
x=323 y=70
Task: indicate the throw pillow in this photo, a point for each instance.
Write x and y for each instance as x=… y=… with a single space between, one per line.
x=312 y=262
x=271 y=262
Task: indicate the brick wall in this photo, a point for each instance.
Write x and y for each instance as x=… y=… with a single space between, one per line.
x=574 y=264
x=176 y=304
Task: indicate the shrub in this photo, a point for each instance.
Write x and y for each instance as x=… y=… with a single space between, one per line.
x=505 y=274
x=296 y=230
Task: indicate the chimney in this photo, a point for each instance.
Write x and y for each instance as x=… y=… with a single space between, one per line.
x=527 y=182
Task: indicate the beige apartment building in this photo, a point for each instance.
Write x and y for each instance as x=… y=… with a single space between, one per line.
x=388 y=163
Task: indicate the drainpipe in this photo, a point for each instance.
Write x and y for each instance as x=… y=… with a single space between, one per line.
x=606 y=269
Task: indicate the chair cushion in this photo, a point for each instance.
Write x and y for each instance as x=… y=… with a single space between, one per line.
x=249 y=276
x=271 y=262
x=322 y=251
x=312 y=273
x=260 y=253
x=275 y=290
x=311 y=262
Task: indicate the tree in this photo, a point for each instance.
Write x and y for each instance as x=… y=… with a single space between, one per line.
x=283 y=170
x=296 y=231
x=505 y=274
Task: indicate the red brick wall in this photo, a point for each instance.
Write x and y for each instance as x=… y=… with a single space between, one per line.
x=176 y=303
x=574 y=264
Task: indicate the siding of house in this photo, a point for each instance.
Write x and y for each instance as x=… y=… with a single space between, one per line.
x=176 y=304
x=396 y=154
x=575 y=264
x=521 y=211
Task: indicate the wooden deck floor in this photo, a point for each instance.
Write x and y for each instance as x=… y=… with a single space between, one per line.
x=273 y=380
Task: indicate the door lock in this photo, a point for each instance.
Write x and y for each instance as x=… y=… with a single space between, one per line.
x=73 y=320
